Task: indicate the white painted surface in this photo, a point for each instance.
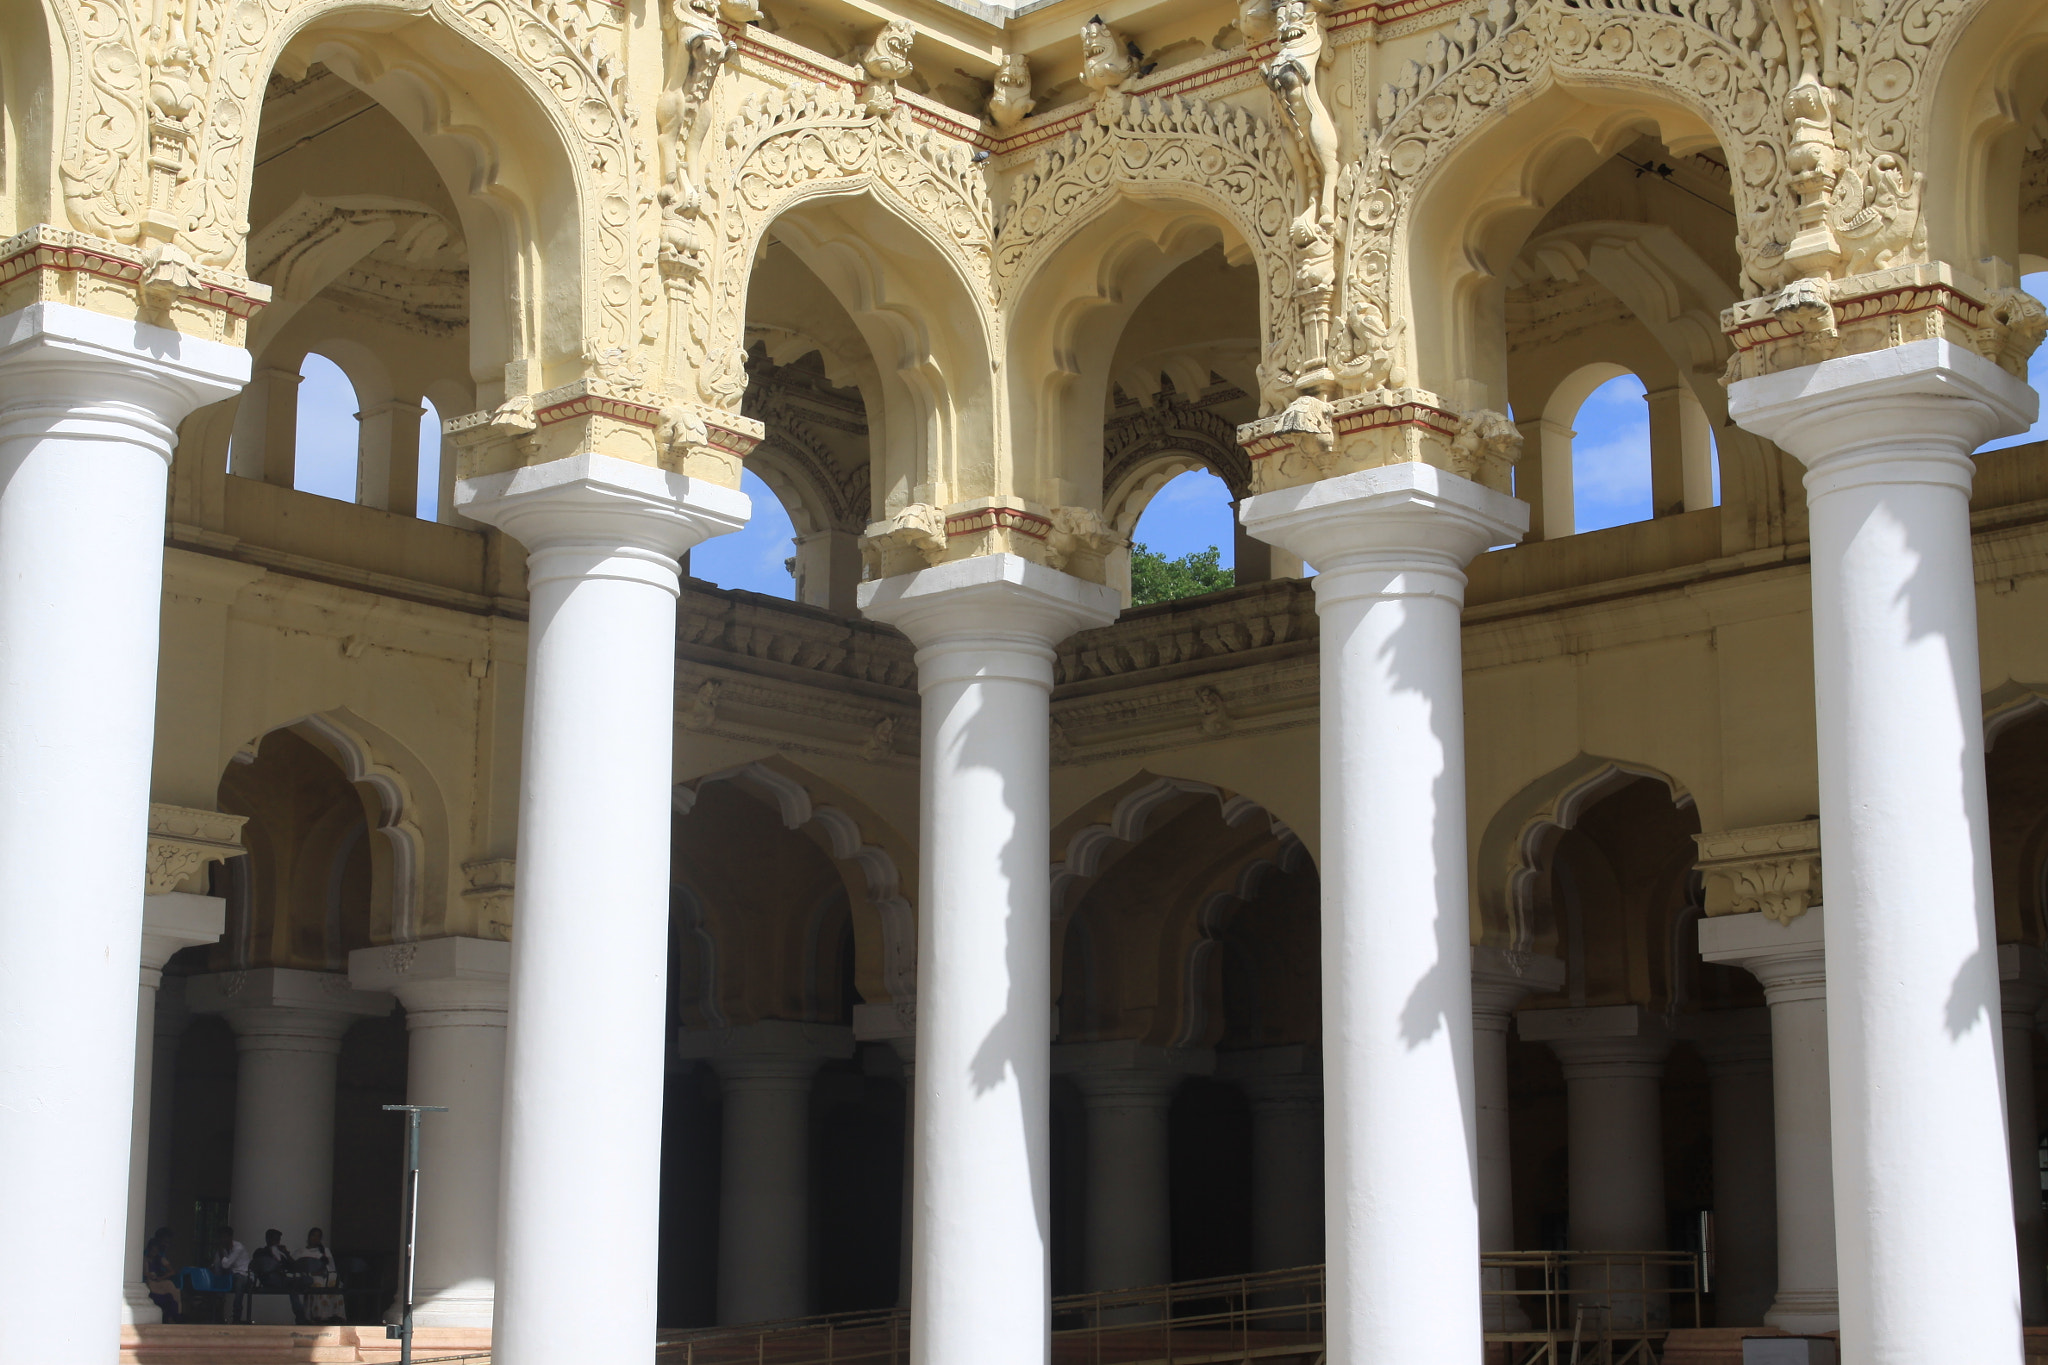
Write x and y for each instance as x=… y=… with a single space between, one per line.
x=1402 y=1222
x=1924 y=1219
x=590 y=909
x=1500 y=982
x=174 y=920
x=1791 y=962
x=288 y=1026
x=1284 y=1086
x=985 y=630
x=455 y=992
x=88 y=410
x=765 y=1072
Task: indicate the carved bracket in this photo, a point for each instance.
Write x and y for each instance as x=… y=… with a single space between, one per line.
x=1770 y=868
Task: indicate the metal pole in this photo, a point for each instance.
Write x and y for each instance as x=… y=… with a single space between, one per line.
x=412 y=1114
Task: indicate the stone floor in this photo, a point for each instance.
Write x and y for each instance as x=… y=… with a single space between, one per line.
x=214 y=1344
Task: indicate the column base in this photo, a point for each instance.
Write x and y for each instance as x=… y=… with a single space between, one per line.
x=1805 y=1313
x=138 y=1307
x=463 y=1305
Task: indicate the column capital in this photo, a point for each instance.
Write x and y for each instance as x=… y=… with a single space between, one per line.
x=596 y=515
x=774 y=1051
x=1126 y=1071
x=1789 y=959
x=992 y=616
x=174 y=920
x=440 y=981
x=284 y=1008
x=1501 y=980
x=1775 y=869
x=1904 y=414
x=1276 y=1078
x=87 y=376
x=1733 y=1042
x=1399 y=530
x=1601 y=1042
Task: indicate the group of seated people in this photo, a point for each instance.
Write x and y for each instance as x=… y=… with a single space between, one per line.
x=238 y=1272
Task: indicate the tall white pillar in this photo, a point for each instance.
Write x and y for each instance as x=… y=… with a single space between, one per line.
x=172 y=1018
x=1736 y=1046
x=1127 y=1092
x=895 y=1022
x=1284 y=1086
x=89 y=406
x=455 y=992
x=288 y=1029
x=765 y=1072
x=2023 y=987
x=1790 y=961
x=1613 y=1057
x=984 y=630
x=1390 y=545
x=1500 y=981
x=1924 y=1220
x=590 y=911
x=170 y=921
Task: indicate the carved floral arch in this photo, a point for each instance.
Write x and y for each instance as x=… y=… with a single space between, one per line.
x=787 y=148
x=578 y=136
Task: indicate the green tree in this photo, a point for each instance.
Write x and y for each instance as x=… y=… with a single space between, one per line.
x=1155 y=578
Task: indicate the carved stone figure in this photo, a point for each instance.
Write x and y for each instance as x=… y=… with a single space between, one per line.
x=1487 y=444
x=1368 y=354
x=887 y=61
x=1255 y=20
x=1292 y=75
x=1011 y=103
x=1315 y=287
x=1105 y=57
x=694 y=49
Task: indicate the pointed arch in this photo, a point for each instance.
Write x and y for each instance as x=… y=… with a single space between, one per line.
x=876 y=864
x=1512 y=852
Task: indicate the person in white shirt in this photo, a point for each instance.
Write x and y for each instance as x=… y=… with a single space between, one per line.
x=232 y=1260
x=316 y=1262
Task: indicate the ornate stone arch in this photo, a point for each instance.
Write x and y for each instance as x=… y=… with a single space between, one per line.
x=1512 y=852
x=788 y=147
x=876 y=866
x=200 y=72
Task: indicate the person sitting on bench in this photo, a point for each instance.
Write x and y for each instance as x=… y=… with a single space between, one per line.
x=232 y=1260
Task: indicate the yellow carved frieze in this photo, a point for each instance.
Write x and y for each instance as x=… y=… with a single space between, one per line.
x=182 y=841
x=1774 y=869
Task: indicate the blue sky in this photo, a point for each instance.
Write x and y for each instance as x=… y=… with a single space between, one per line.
x=751 y=558
x=326 y=461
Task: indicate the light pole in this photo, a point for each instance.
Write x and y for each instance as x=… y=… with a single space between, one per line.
x=411 y=1214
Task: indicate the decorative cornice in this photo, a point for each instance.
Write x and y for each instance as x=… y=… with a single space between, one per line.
x=46 y=264
x=183 y=840
x=1774 y=869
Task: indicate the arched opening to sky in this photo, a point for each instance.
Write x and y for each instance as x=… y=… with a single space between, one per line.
x=1611 y=483
x=328 y=440
x=1191 y=514
x=757 y=556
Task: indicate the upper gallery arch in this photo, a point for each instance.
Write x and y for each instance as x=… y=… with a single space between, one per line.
x=524 y=109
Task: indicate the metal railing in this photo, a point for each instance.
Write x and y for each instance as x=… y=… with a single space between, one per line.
x=1541 y=1308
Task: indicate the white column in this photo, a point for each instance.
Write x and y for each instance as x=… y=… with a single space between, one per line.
x=1402 y=1222
x=1500 y=981
x=1790 y=961
x=173 y=920
x=590 y=911
x=1127 y=1092
x=2023 y=986
x=895 y=1022
x=288 y=1029
x=1284 y=1086
x=765 y=1072
x=1613 y=1058
x=984 y=630
x=455 y=992
x=1736 y=1046
x=88 y=410
x=1924 y=1221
